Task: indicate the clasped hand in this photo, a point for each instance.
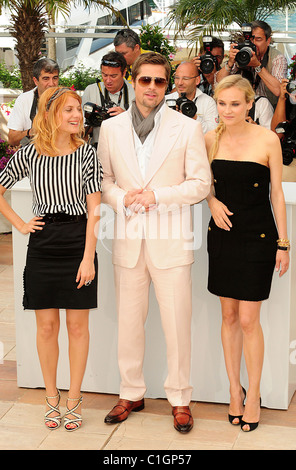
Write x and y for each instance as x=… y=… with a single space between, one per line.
x=138 y=199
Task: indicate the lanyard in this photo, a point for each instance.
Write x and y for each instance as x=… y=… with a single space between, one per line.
x=106 y=98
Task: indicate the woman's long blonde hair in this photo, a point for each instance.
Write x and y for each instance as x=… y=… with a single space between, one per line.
x=48 y=120
x=231 y=81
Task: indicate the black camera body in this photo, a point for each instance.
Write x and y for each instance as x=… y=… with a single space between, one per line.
x=208 y=61
x=95 y=115
x=288 y=142
x=291 y=86
x=246 y=47
x=186 y=106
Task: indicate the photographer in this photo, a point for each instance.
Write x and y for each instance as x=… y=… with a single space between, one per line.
x=114 y=88
x=45 y=75
x=208 y=80
x=127 y=42
x=268 y=64
x=186 y=80
x=261 y=111
x=285 y=112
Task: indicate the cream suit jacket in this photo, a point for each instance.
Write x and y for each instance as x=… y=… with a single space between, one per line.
x=178 y=171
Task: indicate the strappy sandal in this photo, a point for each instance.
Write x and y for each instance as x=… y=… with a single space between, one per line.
x=54 y=419
x=77 y=420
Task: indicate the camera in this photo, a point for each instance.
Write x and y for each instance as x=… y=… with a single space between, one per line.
x=208 y=61
x=95 y=115
x=291 y=87
x=291 y=91
x=288 y=142
x=244 y=55
x=186 y=106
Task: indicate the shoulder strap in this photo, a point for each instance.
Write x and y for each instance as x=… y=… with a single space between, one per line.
x=252 y=110
x=34 y=105
x=103 y=99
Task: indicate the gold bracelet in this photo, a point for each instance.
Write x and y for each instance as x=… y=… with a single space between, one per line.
x=283 y=243
x=283 y=240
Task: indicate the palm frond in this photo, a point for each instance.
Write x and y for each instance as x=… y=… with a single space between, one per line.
x=192 y=18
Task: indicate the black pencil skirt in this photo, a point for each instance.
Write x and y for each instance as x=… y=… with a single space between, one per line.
x=53 y=258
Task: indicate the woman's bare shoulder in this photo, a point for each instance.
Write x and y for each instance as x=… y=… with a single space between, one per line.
x=264 y=133
x=210 y=137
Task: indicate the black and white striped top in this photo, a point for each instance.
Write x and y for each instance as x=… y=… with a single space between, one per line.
x=59 y=184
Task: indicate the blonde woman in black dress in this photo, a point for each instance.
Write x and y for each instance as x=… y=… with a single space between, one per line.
x=245 y=243
x=61 y=265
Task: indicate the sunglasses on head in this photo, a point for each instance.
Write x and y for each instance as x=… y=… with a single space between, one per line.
x=127 y=33
x=159 y=82
x=110 y=63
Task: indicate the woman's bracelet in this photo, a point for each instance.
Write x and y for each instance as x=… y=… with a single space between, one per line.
x=283 y=244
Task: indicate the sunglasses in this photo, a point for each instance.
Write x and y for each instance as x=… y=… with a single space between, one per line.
x=110 y=63
x=159 y=82
x=127 y=33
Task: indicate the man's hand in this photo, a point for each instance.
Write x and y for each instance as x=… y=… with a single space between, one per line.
x=196 y=60
x=144 y=201
x=139 y=200
x=232 y=53
x=115 y=111
x=254 y=62
x=130 y=197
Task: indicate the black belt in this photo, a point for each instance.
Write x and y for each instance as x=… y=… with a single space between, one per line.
x=62 y=218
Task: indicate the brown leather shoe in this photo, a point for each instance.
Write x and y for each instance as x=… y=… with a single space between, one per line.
x=123 y=408
x=183 y=420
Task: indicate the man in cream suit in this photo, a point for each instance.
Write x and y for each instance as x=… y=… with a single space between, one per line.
x=155 y=167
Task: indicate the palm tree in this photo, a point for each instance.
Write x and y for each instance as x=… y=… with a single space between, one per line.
x=29 y=22
x=193 y=17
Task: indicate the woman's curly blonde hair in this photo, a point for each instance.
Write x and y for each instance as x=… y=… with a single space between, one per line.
x=48 y=120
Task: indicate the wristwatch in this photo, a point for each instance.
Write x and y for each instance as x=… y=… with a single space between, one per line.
x=227 y=67
x=258 y=69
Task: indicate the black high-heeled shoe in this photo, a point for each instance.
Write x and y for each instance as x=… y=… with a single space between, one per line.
x=231 y=418
x=252 y=426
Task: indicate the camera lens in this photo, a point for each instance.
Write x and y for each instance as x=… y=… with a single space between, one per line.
x=291 y=87
x=244 y=56
x=188 y=108
x=207 y=65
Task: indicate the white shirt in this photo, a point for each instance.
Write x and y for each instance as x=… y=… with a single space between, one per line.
x=19 y=118
x=92 y=94
x=144 y=151
x=207 y=113
x=263 y=112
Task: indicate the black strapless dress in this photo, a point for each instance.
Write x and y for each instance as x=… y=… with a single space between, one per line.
x=242 y=260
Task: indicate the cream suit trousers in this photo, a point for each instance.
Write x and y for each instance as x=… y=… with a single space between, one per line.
x=173 y=292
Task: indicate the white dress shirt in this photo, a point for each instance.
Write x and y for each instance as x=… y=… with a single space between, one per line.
x=144 y=150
